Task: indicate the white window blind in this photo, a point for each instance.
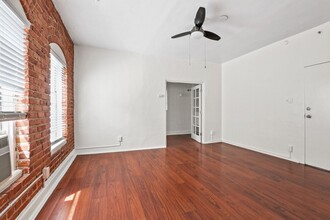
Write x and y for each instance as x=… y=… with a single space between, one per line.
x=12 y=65
x=56 y=99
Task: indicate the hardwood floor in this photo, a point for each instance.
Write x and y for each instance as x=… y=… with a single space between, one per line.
x=189 y=181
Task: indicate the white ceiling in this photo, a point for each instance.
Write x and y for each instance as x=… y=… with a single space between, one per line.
x=145 y=26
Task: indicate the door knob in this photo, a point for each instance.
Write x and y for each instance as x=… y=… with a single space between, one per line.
x=308 y=116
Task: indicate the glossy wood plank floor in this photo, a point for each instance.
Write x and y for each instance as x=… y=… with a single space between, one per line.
x=189 y=181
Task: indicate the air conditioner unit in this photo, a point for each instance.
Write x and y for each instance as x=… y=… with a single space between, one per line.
x=5 y=162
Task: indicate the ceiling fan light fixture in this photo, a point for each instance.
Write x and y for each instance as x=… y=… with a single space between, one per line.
x=197 y=34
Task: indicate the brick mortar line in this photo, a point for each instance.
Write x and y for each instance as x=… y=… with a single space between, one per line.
x=13 y=202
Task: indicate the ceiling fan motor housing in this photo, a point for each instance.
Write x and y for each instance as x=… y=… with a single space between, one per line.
x=197 y=33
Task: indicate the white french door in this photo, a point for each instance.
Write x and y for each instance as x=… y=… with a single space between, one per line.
x=317 y=116
x=196 y=113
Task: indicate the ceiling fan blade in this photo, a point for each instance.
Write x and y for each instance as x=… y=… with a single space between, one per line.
x=182 y=34
x=200 y=17
x=211 y=35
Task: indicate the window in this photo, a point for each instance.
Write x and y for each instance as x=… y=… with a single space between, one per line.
x=12 y=65
x=8 y=172
x=57 y=67
x=12 y=85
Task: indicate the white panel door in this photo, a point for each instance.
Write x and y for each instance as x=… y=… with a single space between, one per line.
x=317 y=116
x=196 y=113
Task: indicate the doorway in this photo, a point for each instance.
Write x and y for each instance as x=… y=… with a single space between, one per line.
x=317 y=117
x=184 y=109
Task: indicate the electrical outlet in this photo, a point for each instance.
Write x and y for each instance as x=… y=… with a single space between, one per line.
x=46 y=172
x=290 y=148
x=120 y=139
x=211 y=132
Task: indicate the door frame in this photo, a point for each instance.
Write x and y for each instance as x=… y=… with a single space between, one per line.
x=192 y=114
x=304 y=111
x=203 y=103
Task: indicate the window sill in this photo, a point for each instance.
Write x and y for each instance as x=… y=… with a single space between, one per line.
x=10 y=180
x=57 y=146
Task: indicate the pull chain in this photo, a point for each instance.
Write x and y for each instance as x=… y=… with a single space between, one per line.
x=204 y=53
x=189 y=52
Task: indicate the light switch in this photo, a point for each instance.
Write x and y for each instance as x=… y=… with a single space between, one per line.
x=289 y=100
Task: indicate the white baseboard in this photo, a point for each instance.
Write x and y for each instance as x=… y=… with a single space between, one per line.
x=145 y=148
x=178 y=132
x=213 y=141
x=33 y=208
x=88 y=151
x=260 y=150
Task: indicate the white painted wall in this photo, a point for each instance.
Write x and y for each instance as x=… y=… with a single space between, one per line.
x=117 y=93
x=258 y=89
x=178 y=115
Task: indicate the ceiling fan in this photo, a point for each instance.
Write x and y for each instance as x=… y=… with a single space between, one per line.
x=197 y=31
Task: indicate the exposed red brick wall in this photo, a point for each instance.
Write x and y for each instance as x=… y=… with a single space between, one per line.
x=33 y=134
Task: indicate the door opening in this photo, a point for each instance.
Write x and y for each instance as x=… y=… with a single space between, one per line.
x=184 y=109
